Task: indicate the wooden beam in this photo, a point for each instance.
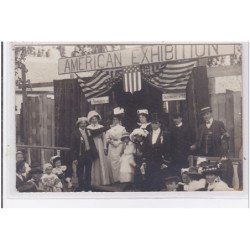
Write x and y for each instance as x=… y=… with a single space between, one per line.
x=42 y=84
x=35 y=92
x=42 y=147
x=224 y=71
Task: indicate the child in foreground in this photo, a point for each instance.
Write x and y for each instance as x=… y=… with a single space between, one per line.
x=51 y=181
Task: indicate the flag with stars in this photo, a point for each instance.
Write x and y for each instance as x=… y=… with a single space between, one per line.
x=132 y=79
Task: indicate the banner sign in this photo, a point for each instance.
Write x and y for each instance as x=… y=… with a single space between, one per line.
x=142 y=55
x=100 y=100
x=173 y=97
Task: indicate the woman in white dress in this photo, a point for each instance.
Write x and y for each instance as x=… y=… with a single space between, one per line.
x=115 y=145
x=127 y=169
x=101 y=170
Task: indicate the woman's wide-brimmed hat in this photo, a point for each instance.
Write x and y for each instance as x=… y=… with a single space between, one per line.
x=118 y=111
x=81 y=119
x=93 y=113
x=19 y=152
x=138 y=132
x=55 y=158
x=184 y=170
x=125 y=135
x=142 y=112
x=211 y=168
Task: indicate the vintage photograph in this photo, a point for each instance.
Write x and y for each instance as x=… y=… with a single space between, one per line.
x=128 y=117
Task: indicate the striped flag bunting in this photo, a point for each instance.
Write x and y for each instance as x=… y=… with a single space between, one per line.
x=169 y=77
x=132 y=79
x=101 y=82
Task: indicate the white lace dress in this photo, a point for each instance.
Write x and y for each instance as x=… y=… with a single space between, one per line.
x=115 y=146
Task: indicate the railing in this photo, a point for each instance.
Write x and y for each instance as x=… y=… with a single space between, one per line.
x=57 y=151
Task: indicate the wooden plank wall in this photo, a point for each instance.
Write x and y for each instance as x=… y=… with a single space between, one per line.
x=227 y=107
x=40 y=126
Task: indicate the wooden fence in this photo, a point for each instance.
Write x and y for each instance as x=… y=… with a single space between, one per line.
x=227 y=107
x=40 y=123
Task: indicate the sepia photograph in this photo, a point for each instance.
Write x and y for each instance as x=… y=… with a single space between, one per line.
x=128 y=117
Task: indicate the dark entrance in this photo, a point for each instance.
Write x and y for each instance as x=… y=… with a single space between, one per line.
x=147 y=98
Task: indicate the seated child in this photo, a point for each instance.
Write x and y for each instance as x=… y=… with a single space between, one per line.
x=185 y=179
x=50 y=181
x=126 y=173
x=59 y=170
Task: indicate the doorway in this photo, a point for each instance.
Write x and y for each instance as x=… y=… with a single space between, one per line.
x=147 y=98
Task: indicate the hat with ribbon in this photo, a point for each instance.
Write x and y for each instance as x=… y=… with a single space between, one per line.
x=125 y=135
x=211 y=168
x=205 y=110
x=92 y=114
x=81 y=119
x=118 y=111
x=55 y=158
x=142 y=112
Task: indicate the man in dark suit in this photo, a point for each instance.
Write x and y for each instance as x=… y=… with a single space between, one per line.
x=180 y=140
x=212 y=136
x=83 y=151
x=155 y=152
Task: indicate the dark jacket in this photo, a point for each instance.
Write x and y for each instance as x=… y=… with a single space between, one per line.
x=218 y=130
x=180 y=141
x=19 y=182
x=158 y=151
x=78 y=148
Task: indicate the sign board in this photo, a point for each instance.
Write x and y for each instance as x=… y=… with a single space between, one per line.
x=100 y=100
x=173 y=97
x=142 y=55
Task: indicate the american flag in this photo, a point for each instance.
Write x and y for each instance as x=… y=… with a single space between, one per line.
x=101 y=82
x=170 y=76
x=132 y=79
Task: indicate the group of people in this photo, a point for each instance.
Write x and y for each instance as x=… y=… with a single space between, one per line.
x=50 y=177
x=145 y=159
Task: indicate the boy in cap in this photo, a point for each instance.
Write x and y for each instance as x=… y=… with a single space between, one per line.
x=172 y=183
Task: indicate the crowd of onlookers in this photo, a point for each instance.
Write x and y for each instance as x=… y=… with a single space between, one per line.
x=148 y=158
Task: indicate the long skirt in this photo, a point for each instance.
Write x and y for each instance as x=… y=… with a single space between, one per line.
x=101 y=169
x=114 y=157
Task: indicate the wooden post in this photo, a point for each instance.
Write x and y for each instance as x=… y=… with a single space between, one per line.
x=28 y=156
x=25 y=111
x=42 y=157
